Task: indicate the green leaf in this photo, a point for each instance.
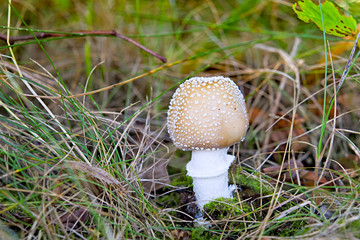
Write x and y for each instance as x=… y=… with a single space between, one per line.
x=335 y=23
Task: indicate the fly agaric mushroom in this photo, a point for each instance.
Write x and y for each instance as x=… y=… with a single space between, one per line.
x=207 y=115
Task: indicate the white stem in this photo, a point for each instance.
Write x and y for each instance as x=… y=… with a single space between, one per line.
x=209 y=170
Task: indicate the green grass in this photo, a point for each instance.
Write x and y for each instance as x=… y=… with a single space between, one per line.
x=84 y=158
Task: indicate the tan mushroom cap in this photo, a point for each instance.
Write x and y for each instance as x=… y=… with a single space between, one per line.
x=207 y=113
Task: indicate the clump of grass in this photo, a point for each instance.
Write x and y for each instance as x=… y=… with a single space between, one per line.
x=72 y=173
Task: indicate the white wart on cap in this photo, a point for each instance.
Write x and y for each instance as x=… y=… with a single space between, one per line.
x=207 y=113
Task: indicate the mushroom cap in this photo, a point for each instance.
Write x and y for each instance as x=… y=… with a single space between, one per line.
x=207 y=113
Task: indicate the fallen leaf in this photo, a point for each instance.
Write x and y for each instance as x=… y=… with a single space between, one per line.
x=329 y=17
x=155 y=177
x=281 y=131
x=314 y=77
x=257 y=116
x=317 y=108
x=309 y=179
x=350 y=101
x=289 y=171
x=293 y=171
x=72 y=219
x=349 y=161
x=95 y=172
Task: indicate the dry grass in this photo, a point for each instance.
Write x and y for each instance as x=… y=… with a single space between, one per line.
x=95 y=166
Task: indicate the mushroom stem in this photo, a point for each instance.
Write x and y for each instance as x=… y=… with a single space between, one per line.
x=209 y=170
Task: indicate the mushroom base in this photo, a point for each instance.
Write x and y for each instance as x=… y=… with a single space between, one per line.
x=209 y=170
x=207 y=189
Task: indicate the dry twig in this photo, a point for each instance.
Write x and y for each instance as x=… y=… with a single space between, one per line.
x=43 y=35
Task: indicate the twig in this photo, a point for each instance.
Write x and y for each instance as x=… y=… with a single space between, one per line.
x=43 y=35
x=347 y=67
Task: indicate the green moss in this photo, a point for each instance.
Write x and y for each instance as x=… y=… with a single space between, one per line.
x=250 y=206
x=169 y=200
x=201 y=233
x=224 y=208
x=173 y=198
x=230 y=217
x=182 y=181
x=229 y=212
x=287 y=227
x=252 y=182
